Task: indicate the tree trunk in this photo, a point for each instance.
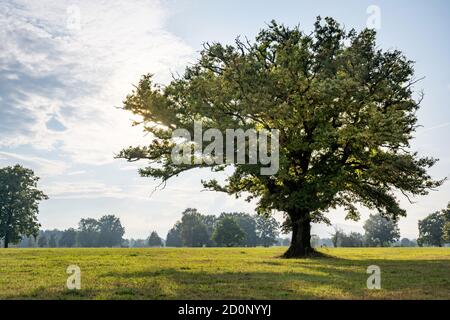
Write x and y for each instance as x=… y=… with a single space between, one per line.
x=7 y=230
x=301 y=239
x=6 y=242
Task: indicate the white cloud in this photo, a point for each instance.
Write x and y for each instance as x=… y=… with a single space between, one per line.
x=79 y=190
x=81 y=75
x=76 y=173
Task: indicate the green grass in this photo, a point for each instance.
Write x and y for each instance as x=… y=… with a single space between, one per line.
x=224 y=273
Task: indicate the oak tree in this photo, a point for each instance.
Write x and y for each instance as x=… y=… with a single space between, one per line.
x=345 y=111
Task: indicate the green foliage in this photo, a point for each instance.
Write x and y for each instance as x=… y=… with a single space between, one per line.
x=446 y=229
x=248 y=224
x=446 y=232
x=53 y=242
x=353 y=239
x=88 y=232
x=380 y=232
x=19 y=204
x=434 y=229
x=68 y=238
x=405 y=242
x=111 y=231
x=173 y=238
x=345 y=109
x=267 y=230
x=340 y=239
x=154 y=240
x=42 y=241
x=194 y=231
x=105 y=232
x=228 y=233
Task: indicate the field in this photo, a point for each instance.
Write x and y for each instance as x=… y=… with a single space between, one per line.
x=225 y=273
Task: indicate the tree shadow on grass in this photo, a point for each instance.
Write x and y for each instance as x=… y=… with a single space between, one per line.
x=317 y=279
x=227 y=285
x=321 y=278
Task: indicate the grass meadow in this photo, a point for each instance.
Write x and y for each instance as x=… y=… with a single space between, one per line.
x=224 y=273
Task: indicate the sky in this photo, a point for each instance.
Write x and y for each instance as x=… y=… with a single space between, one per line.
x=66 y=67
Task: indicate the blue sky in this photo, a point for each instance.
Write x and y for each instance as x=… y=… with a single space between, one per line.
x=66 y=65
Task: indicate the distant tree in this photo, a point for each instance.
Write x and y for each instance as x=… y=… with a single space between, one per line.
x=248 y=224
x=405 y=242
x=446 y=232
x=228 y=233
x=42 y=241
x=267 y=230
x=353 y=239
x=194 y=232
x=286 y=242
x=138 y=243
x=173 y=238
x=154 y=240
x=110 y=230
x=53 y=242
x=19 y=204
x=431 y=229
x=26 y=242
x=380 y=232
x=336 y=237
x=68 y=238
x=446 y=229
x=341 y=239
x=31 y=242
x=88 y=233
x=210 y=223
x=125 y=243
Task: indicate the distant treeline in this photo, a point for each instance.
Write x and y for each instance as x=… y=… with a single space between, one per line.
x=226 y=230
x=193 y=230
x=237 y=229
x=104 y=232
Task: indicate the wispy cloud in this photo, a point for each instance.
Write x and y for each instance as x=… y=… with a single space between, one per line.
x=40 y=165
x=438 y=126
x=82 y=190
x=76 y=173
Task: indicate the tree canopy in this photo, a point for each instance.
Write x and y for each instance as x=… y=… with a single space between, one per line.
x=154 y=240
x=345 y=111
x=68 y=238
x=267 y=230
x=433 y=229
x=228 y=233
x=19 y=204
x=380 y=232
x=173 y=238
x=104 y=232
